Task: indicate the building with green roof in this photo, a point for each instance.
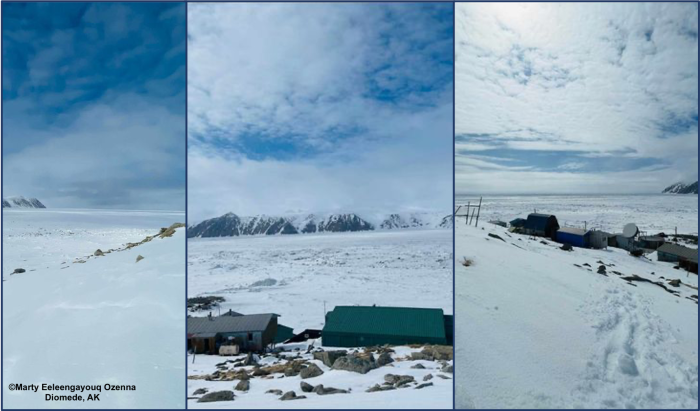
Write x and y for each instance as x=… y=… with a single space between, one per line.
x=359 y=326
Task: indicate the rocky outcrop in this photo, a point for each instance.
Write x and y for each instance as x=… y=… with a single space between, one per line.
x=217 y=396
x=355 y=363
x=21 y=202
x=681 y=188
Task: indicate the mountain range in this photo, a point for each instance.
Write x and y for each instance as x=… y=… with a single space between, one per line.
x=232 y=225
x=21 y=202
x=681 y=188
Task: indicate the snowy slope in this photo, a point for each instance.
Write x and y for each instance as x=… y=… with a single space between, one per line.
x=107 y=320
x=21 y=202
x=436 y=396
x=682 y=188
x=537 y=328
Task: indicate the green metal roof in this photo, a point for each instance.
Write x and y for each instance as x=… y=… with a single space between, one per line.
x=394 y=321
x=283 y=333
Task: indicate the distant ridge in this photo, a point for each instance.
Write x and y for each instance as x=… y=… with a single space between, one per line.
x=232 y=225
x=21 y=202
x=681 y=188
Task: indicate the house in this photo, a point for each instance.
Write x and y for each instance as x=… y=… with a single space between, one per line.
x=252 y=333
x=685 y=257
x=542 y=225
x=308 y=334
x=362 y=326
x=576 y=237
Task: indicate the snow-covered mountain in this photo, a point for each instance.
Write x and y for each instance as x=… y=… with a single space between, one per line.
x=681 y=188
x=232 y=225
x=21 y=202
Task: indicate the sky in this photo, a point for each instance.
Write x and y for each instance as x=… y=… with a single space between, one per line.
x=314 y=107
x=575 y=98
x=94 y=104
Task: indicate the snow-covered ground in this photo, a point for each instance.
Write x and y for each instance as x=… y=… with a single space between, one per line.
x=106 y=320
x=437 y=395
x=538 y=327
x=297 y=276
x=652 y=213
x=390 y=268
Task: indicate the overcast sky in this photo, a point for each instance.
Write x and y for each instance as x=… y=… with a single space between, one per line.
x=319 y=107
x=94 y=104
x=575 y=98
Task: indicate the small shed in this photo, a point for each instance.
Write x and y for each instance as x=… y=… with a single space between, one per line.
x=599 y=239
x=686 y=257
x=542 y=225
x=284 y=333
x=518 y=223
x=576 y=237
x=361 y=326
x=252 y=333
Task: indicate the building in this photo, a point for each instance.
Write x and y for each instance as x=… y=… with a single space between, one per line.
x=599 y=239
x=284 y=333
x=252 y=333
x=651 y=242
x=542 y=225
x=307 y=334
x=576 y=237
x=518 y=223
x=685 y=257
x=361 y=326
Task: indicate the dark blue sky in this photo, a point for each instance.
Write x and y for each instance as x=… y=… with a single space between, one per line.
x=86 y=81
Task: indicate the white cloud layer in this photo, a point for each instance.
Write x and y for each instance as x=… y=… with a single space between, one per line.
x=584 y=80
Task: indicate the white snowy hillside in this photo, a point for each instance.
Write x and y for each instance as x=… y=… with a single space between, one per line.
x=233 y=225
x=21 y=202
x=540 y=327
x=73 y=315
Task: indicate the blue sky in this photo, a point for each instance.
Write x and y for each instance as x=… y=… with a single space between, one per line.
x=575 y=98
x=322 y=107
x=94 y=104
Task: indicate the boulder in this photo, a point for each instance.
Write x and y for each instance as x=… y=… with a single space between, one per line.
x=98 y=253
x=310 y=372
x=139 y=258
x=378 y=388
x=675 y=283
x=328 y=357
x=321 y=390
x=427 y=384
x=384 y=359
x=243 y=385
x=217 y=396
x=448 y=369
x=418 y=366
x=354 y=363
x=19 y=271
x=200 y=391
x=291 y=395
x=276 y=392
x=428 y=377
x=306 y=387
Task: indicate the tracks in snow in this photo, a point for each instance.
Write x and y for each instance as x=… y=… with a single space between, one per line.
x=633 y=365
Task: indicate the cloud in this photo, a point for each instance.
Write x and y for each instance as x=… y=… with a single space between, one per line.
x=94 y=104
x=584 y=82
x=319 y=107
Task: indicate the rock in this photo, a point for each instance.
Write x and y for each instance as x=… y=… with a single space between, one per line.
x=321 y=390
x=428 y=377
x=19 y=271
x=427 y=384
x=99 y=253
x=139 y=258
x=243 y=385
x=398 y=380
x=328 y=357
x=168 y=232
x=310 y=372
x=444 y=377
x=259 y=372
x=567 y=247
x=276 y=392
x=448 y=369
x=602 y=269
x=217 y=396
x=306 y=387
x=384 y=359
x=434 y=353
x=675 y=283
x=200 y=391
x=291 y=395
x=418 y=366
x=354 y=363
x=377 y=388
x=250 y=360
